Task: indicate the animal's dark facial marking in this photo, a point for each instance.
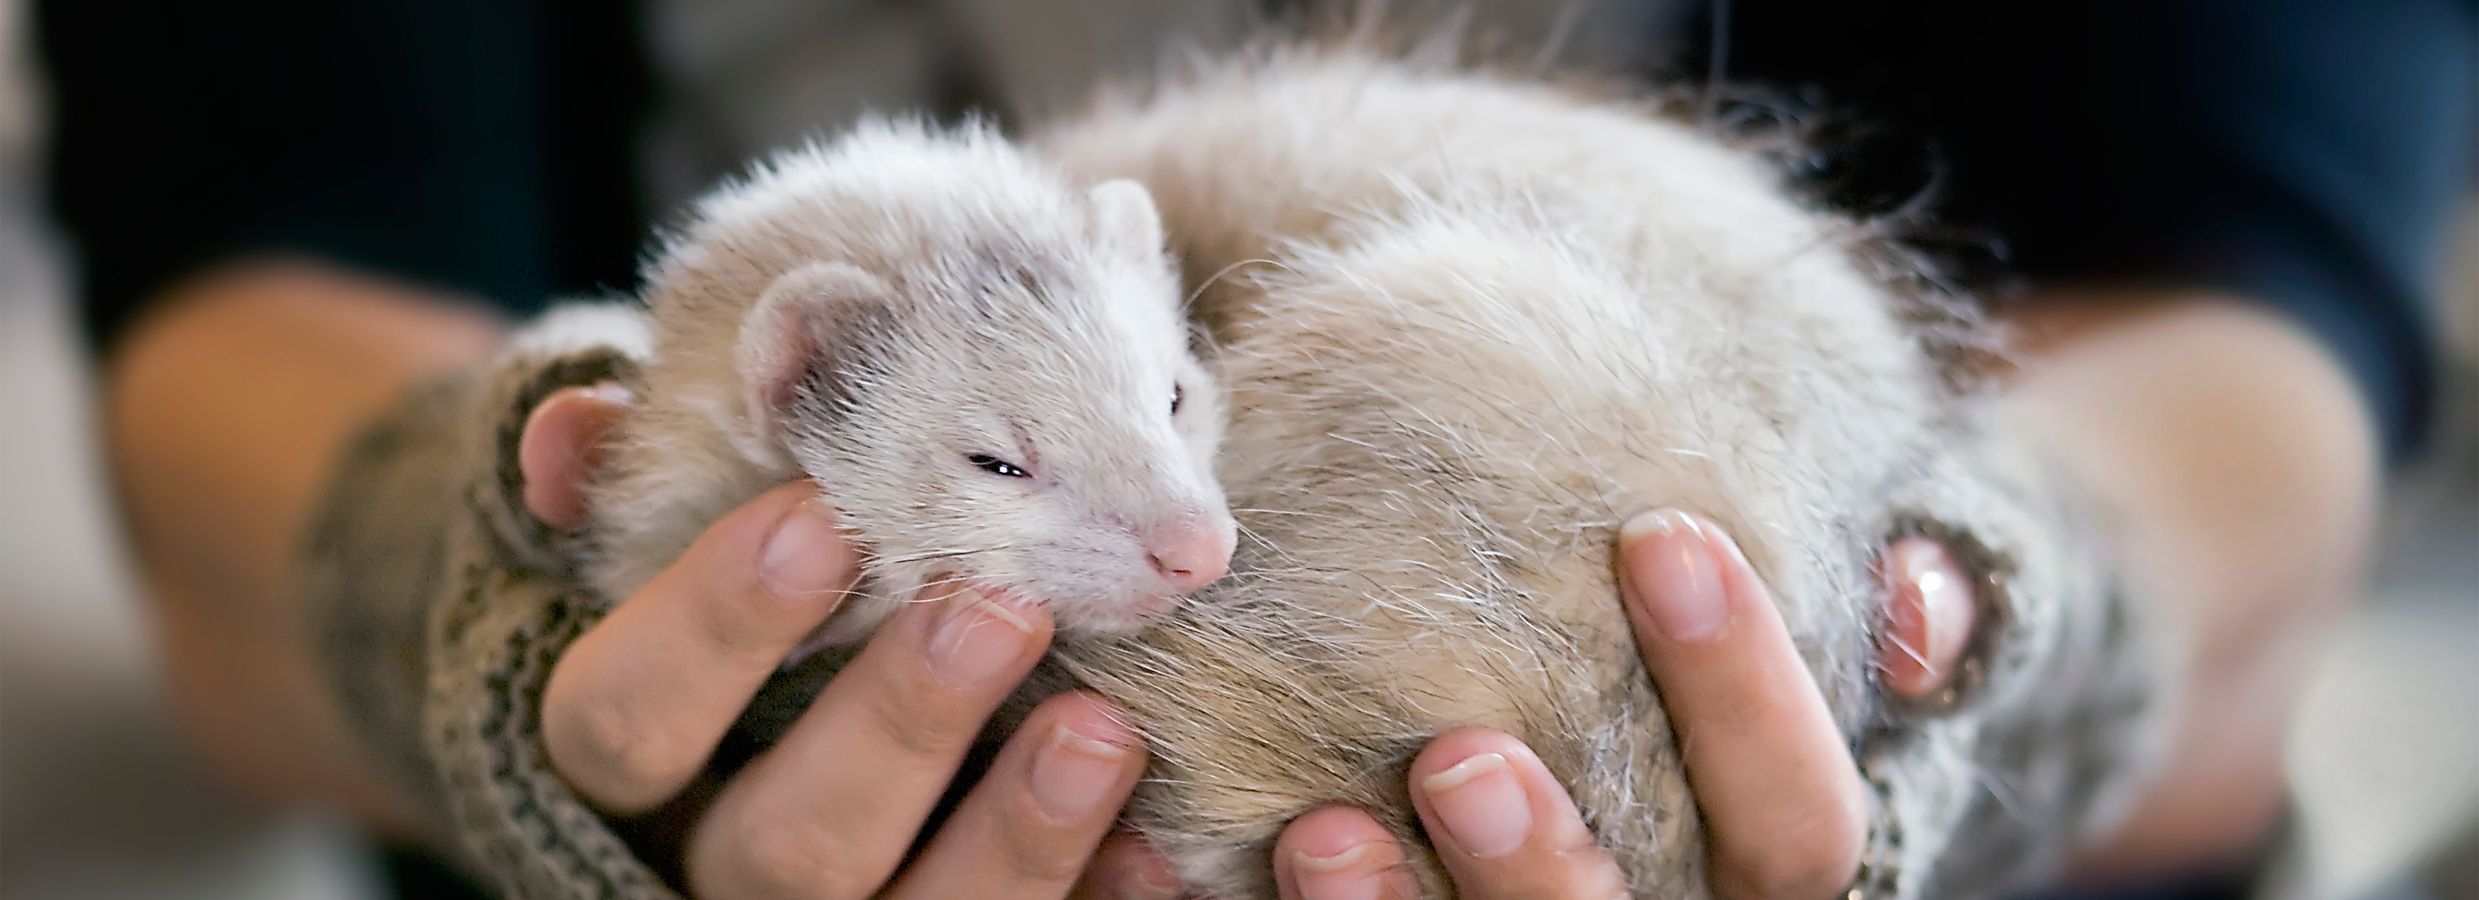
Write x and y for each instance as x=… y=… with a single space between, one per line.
x=858 y=338
x=1019 y=273
x=1179 y=393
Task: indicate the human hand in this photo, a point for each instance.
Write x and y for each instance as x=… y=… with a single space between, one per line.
x=637 y=705
x=1784 y=809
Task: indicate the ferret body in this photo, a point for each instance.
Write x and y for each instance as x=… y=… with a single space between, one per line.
x=983 y=367
x=1467 y=326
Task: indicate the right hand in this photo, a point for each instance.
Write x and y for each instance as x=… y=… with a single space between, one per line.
x=636 y=706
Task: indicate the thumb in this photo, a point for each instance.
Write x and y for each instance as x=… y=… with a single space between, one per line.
x=563 y=442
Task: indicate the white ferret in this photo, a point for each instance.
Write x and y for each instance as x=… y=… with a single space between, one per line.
x=984 y=369
x=1465 y=325
x=1469 y=324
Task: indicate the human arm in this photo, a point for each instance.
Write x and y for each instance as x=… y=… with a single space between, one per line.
x=281 y=213
x=222 y=415
x=2245 y=467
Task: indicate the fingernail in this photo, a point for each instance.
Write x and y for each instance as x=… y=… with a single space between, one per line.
x=1074 y=775
x=1929 y=619
x=980 y=640
x=804 y=557
x=1675 y=575
x=610 y=392
x=1342 y=875
x=1149 y=878
x=1482 y=805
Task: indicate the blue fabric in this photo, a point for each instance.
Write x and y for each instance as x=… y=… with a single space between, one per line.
x=2306 y=154
x=482 y=146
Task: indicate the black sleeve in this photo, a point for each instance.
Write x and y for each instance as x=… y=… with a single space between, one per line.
x=473 y=145
x=2304 y=153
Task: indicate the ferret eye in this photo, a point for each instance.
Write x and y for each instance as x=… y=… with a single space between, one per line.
x=1178 y=393
x=997 y=466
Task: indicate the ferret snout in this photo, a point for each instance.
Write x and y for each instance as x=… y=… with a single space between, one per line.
x=1192 y=551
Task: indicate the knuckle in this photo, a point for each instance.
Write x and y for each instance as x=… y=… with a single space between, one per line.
x=1600 y=882
x=1811 y=850
x=1794 y=872
x=735 y=630
x=1042 y=854
x=1580 y=868
x=784 y=859
x=915 y=724
x=610 y=755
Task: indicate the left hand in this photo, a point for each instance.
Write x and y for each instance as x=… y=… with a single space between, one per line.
x=1784 y=810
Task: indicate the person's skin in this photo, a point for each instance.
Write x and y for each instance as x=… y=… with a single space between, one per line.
x=635 y=708
x=223 y=412
x=1718 y=649
x=2244 y=471
x=2233 y=448
x=2202 y=381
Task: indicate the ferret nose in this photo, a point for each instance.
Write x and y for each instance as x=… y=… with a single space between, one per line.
x=1193 y=553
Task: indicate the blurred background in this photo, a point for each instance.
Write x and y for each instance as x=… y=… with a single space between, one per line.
x=99 y=798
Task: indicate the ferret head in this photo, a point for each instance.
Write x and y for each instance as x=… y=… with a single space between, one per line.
x=1014 y=406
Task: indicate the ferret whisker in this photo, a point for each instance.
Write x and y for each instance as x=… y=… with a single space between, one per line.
x=928 y=555
x=839 y=593
x=1225 y=272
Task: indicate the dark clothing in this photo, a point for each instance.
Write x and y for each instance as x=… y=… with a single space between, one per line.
x=464 y=144
x=2304 y=153
x=2307 y=154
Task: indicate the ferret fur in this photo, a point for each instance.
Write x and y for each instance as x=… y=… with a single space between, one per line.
x=1468 y=324
x=875 y=311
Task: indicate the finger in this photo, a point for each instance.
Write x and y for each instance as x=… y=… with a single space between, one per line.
x=1782 y=802
x=562 y=444
x=1338 y=853
x=637 y=704
x=1127 y=868
x=832 y=808
x=1928 y=618
x=1028 y=829
x=1503 y=825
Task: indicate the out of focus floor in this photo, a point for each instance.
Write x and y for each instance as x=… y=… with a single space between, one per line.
x=97 y=797
x=2387 y=760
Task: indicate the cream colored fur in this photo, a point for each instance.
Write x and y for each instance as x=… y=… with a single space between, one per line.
x=1469 y=324
x=875 y=311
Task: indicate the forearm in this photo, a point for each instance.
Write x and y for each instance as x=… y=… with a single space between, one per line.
x=2243 y=472
x=225 y=414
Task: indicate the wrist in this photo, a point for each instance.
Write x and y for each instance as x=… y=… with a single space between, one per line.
x=224 y=411
x=2241 y=467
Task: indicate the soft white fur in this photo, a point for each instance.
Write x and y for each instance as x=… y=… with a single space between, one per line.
x=872 y=311
x=1468 y=325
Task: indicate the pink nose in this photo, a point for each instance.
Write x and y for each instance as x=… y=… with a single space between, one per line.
x=1194 y=552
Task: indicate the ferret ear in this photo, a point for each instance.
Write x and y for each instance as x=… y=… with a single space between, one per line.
x=1123 y=213
x=797 y=328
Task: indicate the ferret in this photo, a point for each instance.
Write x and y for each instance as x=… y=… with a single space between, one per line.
x=983 y=368
x=1468 y=323
x=1453 y=328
